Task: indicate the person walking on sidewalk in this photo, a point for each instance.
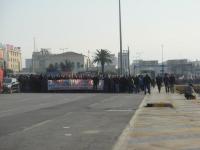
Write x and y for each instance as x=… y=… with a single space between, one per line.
x=172 y=83
x=137 y=84
x=159 y=82
x=147 y=84
x=166 y=82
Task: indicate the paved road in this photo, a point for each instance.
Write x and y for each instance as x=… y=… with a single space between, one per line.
x=64 y=121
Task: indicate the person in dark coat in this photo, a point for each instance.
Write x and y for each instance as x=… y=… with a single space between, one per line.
x=166 y=82
x=189 y=92
x=137 y=85
x=95 y=82
x=147 y=84
x=141 y=82
x=159 y=82
x=172 y=83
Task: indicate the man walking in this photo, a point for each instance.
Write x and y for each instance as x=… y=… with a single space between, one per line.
x=166 y=82
x=159 y=82
x=171 y=83
x=147 y=84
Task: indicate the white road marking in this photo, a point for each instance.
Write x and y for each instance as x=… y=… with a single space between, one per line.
x=68 y=134
x=91 y=132
x=119 y=110
x=37 y=125
x=66 y=127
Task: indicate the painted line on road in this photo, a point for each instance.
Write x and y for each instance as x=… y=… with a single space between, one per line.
x=68 y=134
x=5 y=112
x=37 y=125
x=66 y=127
x=91 y=132
x=119 y=110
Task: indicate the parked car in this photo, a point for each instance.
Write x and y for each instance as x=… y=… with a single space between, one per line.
x=10 y=85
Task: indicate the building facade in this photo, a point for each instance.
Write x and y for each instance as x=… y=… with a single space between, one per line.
x=1 y=68
x=14 y=61
x=43 y=59
x=28 y=64
x=11 y=57
x=1 y=58
x=180 y=67
x=151 y=67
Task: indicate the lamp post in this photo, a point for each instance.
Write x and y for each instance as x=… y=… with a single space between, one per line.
x=162 y=46
x=129 y=72
x=120 y=35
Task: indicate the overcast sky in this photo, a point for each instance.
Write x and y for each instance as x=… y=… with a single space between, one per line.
x=82 y=25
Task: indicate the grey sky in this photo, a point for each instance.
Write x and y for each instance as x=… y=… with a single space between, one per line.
x=83 y=25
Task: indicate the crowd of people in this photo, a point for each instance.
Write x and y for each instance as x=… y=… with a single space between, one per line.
x=112 y=84
x=169 y=82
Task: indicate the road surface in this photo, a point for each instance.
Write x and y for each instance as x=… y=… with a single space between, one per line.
x=64 y=121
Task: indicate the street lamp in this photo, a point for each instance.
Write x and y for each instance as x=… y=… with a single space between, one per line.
x=162 y=46
x=120 y=35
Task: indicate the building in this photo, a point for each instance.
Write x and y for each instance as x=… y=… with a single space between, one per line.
x=14 y=61
x=43 y=59
x=1 y=58
x=1 y=69
x=151 y=67
x=11 y=57
x=28 y=65
x=125 y=62
x=196 y=68
x=180 y=67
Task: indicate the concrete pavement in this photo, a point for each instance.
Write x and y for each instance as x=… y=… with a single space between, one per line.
x=163 y=128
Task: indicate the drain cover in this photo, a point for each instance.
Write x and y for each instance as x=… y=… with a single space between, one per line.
x=159 y=105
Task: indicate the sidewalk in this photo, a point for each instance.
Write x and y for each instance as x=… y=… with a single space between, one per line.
x=163 y=128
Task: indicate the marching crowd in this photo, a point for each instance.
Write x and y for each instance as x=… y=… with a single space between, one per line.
x=112 y=84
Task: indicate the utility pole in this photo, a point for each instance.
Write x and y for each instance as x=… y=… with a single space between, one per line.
x=34 y=50
x=129 y=62
x=162 y=46
x=34 y=44
x=88 y=59
x=120 y=34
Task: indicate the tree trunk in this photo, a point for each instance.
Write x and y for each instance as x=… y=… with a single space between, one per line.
x=102 y=68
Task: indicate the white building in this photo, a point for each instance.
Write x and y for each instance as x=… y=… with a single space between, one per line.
x=151 y=67
x=41 y=60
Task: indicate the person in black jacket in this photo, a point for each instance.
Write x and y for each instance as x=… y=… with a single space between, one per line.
x=166 y=82
x=159 y=82
x=171 y=83
x=147 y=84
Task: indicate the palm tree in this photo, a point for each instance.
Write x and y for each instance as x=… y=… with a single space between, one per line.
x=50 y=68
x=62 y=66
x=69 y=66
x=103 y=56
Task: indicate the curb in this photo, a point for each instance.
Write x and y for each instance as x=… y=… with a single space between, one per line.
x=119 y=145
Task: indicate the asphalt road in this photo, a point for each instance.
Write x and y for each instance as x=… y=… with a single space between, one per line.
x=64 y=121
